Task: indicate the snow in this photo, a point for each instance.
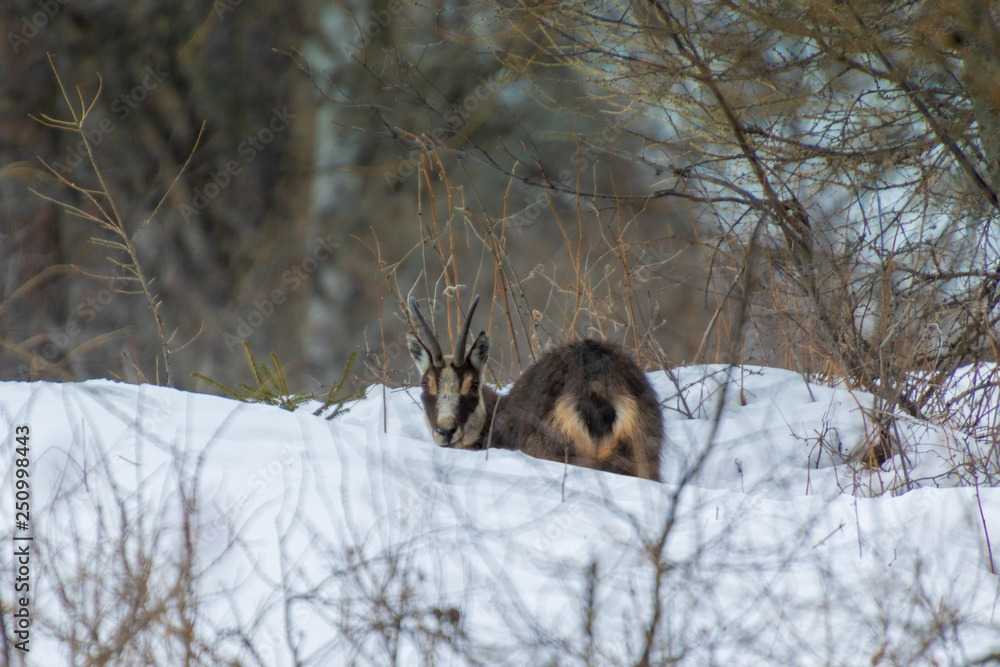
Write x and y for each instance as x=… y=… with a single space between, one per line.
x=358 y=541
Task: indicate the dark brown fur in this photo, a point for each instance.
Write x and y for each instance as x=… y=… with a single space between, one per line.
x=587 y=378
x=586 y=402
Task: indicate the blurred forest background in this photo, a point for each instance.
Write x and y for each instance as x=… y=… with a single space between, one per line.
x=802 y=184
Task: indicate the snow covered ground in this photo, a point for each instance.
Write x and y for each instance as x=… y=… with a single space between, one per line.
x=170 y=525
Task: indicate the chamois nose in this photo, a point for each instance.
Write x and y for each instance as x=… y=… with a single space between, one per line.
x=446 y=433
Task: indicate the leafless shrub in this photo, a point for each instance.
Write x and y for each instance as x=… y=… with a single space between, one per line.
x=101 y=208
x=120 y=576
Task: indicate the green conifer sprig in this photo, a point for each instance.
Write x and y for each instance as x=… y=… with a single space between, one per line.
x=272 y=388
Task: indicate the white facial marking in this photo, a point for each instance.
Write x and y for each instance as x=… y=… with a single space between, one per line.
x=447 y=398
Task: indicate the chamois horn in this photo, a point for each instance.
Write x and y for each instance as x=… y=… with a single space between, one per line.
x=430 y=340
x=460 y=344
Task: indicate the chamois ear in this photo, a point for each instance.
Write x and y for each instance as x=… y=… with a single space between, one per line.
x=480 y=351
x=421 y=355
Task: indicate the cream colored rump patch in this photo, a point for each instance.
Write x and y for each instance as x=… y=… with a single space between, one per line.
x=567 y=419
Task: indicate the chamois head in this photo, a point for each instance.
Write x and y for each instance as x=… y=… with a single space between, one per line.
x=453 y=399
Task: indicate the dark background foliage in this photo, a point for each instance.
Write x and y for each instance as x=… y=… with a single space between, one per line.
x=342 y=173
x=779 y=184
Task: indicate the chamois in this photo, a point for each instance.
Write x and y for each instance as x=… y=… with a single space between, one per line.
x=585 y=402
